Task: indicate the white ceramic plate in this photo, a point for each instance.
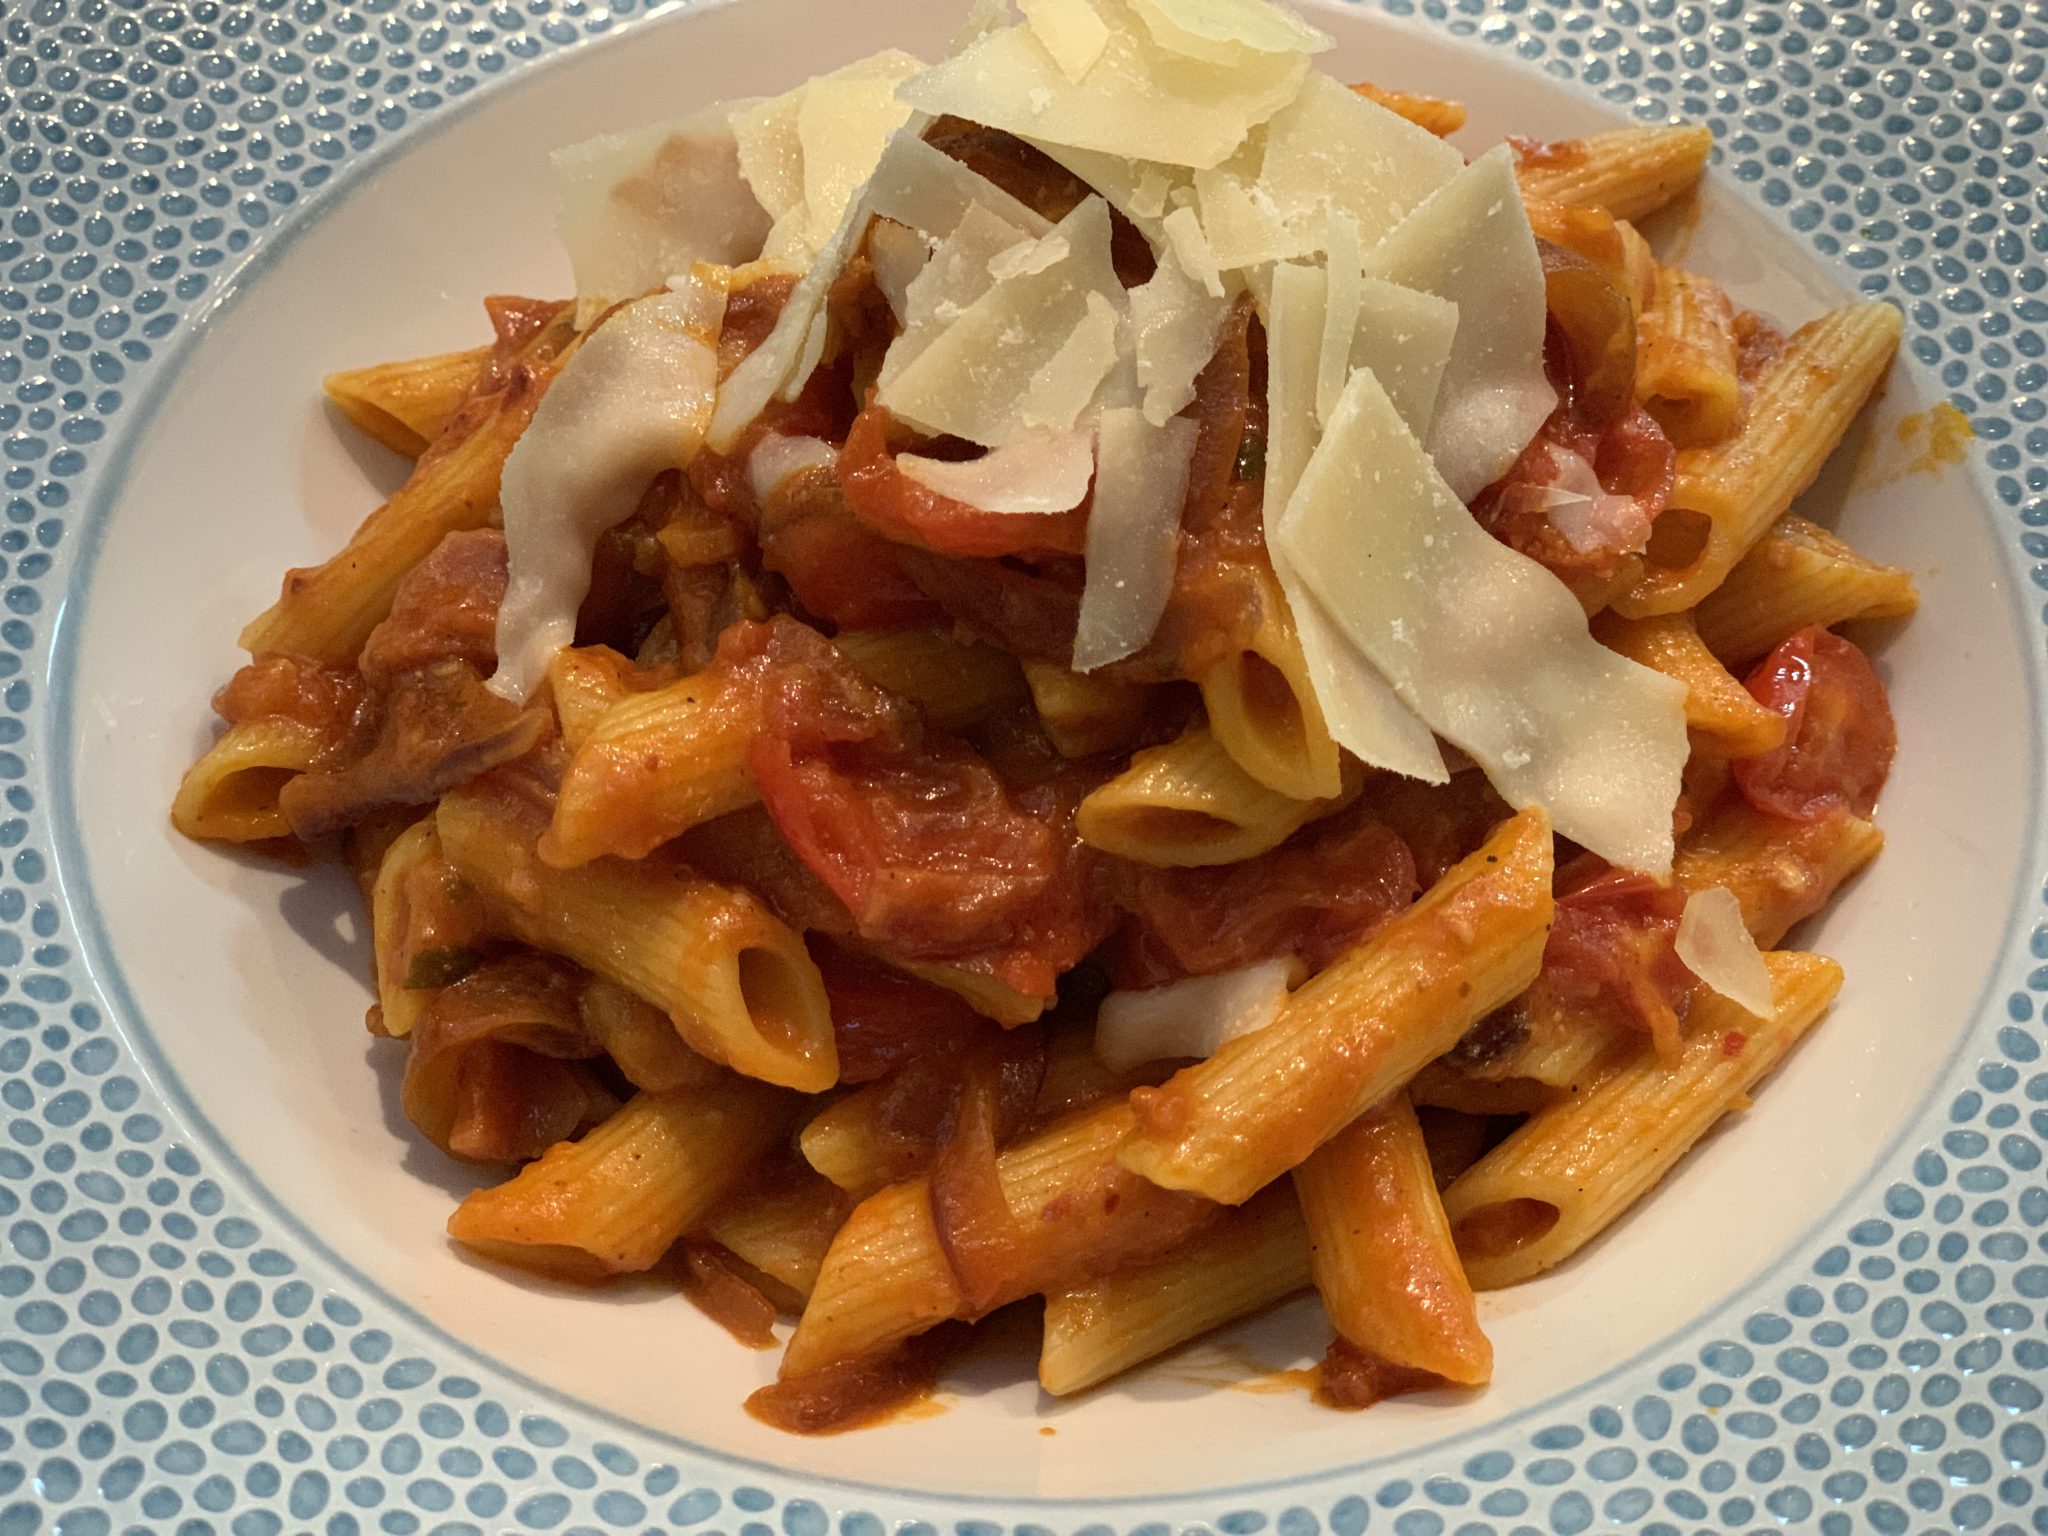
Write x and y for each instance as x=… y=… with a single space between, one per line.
x=249 y=1234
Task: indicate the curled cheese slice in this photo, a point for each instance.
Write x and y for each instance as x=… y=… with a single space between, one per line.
x=1033 y=474
x=1190 y=1019
x=631 y=402
x=1716 y=946
x=1488 y=647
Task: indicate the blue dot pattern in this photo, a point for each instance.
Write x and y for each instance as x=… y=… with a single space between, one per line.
x=166 y=1366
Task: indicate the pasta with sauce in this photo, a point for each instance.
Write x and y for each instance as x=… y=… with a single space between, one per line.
x=1037 y=711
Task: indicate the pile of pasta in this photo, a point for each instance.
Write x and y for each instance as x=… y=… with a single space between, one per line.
x=809 y=927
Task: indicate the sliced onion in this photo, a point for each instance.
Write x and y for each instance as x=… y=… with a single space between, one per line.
x=1717 y=947
x=1191 y=1019
x=1033 y=474
x=775 y=458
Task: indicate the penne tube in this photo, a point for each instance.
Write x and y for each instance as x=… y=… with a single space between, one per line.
x=783 y=1232
x=1685 y=360
x=1434 y=114
x=1630 y=172
x=1571 y=1170
x=1357 y=1031
x=1253 y=1257
x=1381 y=1252
x=425 y=927
x=1724 y=718
x=642 y=1040
x=1263 y=710
x=847 y=1143
x=1190 y=803
x=989 y=996
x=1727 y=496
x=1797 y=574
x=1779 y=871
x=887 y=1277
x=327 y=611
x=406 y=405
x=736 y=980
x=584 y=682
x=956 y=683
x=230 y=794
x=656 y=764
x=1083 y=714
x=617 y=1200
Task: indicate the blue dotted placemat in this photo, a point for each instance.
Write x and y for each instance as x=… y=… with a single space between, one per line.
x=168 y=1366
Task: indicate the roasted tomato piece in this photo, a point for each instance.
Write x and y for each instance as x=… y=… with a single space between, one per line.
x=1839 y=735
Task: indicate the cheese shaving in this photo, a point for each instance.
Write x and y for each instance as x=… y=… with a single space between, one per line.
x=1716 y=947
x=1175 y=322
x=1191 y=1019
x=776 y=457
x=1033 y=474
x=1341 y=301
x=1483 y=643
x=1136 y=102
x=974 y=376
x=929 y=190
x=1360 y=708
x=1191 y=248
x=1133 y=533
x=1331 y=148
x=631 y=402
x=1070 y=31
x=898 y=254
x=1223 y=31
x=1470 y=243
x=636 y=208
x=1059 y=393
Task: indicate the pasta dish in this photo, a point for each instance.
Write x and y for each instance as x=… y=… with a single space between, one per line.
x=1097 y=676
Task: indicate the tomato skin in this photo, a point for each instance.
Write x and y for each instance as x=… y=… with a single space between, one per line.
x=1611 y=951
x=897 y=507
x=884 y=1019
x=1839 y=734
x=836 y=566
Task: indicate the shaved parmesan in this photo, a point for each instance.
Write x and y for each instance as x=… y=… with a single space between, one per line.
x=1579 y=507
x=1190 y=1019
x=1331 y=148
x=1341 y=300
x=636 y=208
x=898 y=254
x=1360 y=708
x=1033 y=474
x=1070 y=31
x=1191 y=248
x=1222 y=31
x=1059 y=393
x=974 y=375
x=1485 y=644
x=631 y=402
x=1717 y=947
x=1174 y=326
x=929 y=190
x=1244 y=225
x=1405 y=338
x=1136 y=102
x=1133 y=533
x=1471 y=244
x=776 y=457
x=807 y=152
x=960 y=271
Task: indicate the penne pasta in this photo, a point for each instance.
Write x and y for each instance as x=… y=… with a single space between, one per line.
x=654 y=765
x=642 y=1040
x=784 y=1232
x=326 y=611
x=1435 y=114
x=1262 y=709
x=1629 y=172
x=230 y=794
x=734 y=978
x=1085 y=713
x=425 y=928
x=1779 y=871
x=1357 y=1031
x=846 y=1142
x=584 y=682
x=1249 y=1259
x=1727 y=496
x=406 y=405
x=1572 y=1169
x=887 y=1275
x=1685 y=360
x=957 y=683
x=1381 y=1253
x=1190 y=803
x=617 y=1200
x=1797 y=574
x=1724 y=718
